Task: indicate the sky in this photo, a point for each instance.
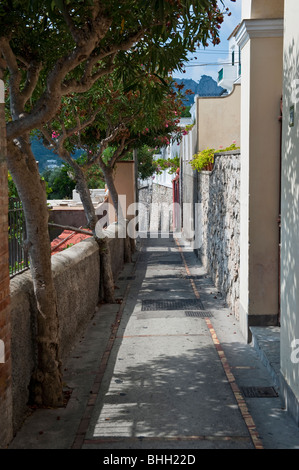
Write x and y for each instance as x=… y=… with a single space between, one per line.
x=208 y=61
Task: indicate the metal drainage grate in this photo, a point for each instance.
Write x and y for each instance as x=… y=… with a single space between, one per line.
x=167 y=276
x=181 y=304
x=259 y=392
x=128 y=278
x=198 y=276
x=171 y=261
x=198 y=313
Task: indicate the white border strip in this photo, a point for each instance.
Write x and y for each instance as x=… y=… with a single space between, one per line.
x=2 y=93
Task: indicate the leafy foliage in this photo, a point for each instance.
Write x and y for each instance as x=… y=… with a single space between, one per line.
x=170 y=164
x=204 y=158
x=65 y=46
x=61 y=181
x=12 y=189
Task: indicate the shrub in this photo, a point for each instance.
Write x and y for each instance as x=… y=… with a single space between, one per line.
x=204 y=160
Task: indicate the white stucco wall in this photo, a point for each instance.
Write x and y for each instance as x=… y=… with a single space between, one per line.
x=290 y=202
x=244 y=187
x=218 y=121
x=261 y=41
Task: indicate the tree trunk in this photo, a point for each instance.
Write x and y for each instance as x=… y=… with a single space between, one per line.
x=107 y=280
x=46 y=384
x=83 y=190
x=105 y=258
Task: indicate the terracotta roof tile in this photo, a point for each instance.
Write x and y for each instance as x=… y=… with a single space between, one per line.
x=65 y=239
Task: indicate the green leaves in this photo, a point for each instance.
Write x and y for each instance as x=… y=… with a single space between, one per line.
x=82 y=43
x=204 y=160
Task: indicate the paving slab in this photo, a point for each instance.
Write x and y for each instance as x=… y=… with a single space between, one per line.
x=164 y=378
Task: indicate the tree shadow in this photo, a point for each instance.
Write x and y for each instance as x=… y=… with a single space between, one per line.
x=164 y=377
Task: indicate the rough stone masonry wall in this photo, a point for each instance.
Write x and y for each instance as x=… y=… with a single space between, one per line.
x=156 y=207
x=76 y=274
x=219 y=193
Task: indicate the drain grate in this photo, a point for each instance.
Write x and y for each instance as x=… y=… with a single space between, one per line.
x=180 y=304
x=259 y=392
x=166 y=276
x=171 y=261
x=198 y=313
x=197 y=276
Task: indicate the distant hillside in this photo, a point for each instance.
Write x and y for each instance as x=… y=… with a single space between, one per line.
x=206 y=86
x=46 y=157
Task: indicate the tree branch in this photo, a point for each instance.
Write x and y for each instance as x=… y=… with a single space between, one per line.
x=76 y=35
x=33 y=72
x=49 y=102
x=105 y=142
x=66 y=133
x=46 y=107
x=75 y=86
x=69 y=227
x=14 y=77
x=89 y=78
x=118 y=152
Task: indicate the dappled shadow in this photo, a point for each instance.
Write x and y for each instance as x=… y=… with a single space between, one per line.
x=175 y=394
x=164 y=377
x=290 y=214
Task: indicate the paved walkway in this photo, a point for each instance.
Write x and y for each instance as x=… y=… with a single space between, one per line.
x=165 y=369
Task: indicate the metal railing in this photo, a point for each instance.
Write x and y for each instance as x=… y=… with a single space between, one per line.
x=18 y=258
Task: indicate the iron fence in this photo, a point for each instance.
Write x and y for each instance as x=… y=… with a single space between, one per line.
x=18 y=258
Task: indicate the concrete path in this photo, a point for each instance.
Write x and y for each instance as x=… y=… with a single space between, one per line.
x=165 y=369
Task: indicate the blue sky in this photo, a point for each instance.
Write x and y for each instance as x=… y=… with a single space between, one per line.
x=213 y=54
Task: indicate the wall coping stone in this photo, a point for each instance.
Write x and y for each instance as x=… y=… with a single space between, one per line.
x=218 y=155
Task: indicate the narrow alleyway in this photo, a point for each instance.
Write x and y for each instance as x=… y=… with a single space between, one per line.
x=165 y=369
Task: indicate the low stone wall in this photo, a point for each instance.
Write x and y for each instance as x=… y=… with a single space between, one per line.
x=219 y=194
x=76 y=273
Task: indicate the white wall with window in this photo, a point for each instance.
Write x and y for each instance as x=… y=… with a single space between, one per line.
x=230 y=72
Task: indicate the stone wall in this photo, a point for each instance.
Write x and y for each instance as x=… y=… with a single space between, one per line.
x=219 y=195
x=76 y=273
x=156 y=207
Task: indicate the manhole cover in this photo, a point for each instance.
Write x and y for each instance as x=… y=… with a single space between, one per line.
x=181 y=304
x=259 y=392
x=196 y=313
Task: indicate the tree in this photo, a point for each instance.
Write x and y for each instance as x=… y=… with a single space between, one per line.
x=49 y=49
x=61 y=180
x=107 y=121
x=120 y=117
x=145 y=166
